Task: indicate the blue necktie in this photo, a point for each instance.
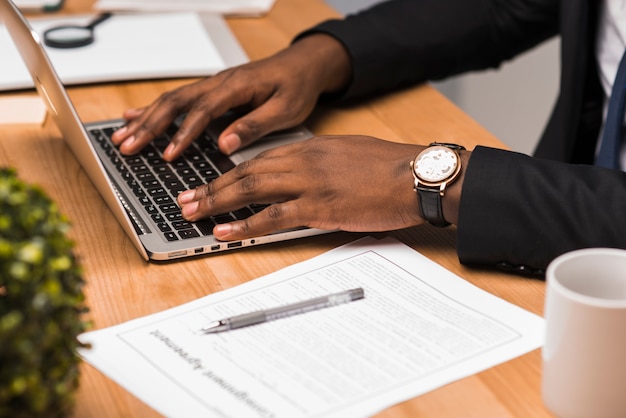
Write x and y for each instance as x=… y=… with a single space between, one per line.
x=609 y=154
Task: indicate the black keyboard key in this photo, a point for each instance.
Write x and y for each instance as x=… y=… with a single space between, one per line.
x=209 y=174
x=188 y=233
x=155 y=161
x=173 y=184
x=106 y=146
x=222 y=162
x=158 y=218
x=193 y=181
x=139 y=192
x=180 y=225
x=179 y=164
x=145 y=176
x=133 y=160
x=202 y=164
x=150 y=152
x=164 y=226
x=205 y=226
x=121 y=168
x=165 y=177
x=157 y=191
x=242 y=213
x=174 y=216
x=161 y=143
x=176 y=192
x=109 y=131
x=170 y=236
x=99 y=136
x=170 y=207
x=223 y=218
x=256 y=208
x=185 y=171
x=151 y=183
x=161 y=200
x=139 y=168
x=161 y=169
x=206 y=144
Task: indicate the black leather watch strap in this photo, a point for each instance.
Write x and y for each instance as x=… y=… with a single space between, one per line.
x=433 y=172
x=430 y=206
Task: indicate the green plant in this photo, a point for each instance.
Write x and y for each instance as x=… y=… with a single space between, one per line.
x=41 y=304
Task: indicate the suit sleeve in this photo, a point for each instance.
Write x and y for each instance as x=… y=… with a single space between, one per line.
x=519 y=213
x=403 y=42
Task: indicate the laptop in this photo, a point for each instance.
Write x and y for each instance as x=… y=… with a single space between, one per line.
x=141 y=190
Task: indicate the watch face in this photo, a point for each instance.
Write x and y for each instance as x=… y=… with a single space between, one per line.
x=436 y=164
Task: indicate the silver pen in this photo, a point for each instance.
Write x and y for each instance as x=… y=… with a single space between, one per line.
x=285 y=311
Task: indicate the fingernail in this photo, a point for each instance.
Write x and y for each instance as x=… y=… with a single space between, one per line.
x=127 y=143
x=167 y=154
x=231 y=143
x=189 y=210
x=186 y=196
x=120 y=132
x=222 y=230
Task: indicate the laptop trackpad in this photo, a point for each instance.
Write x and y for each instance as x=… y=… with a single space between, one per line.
x=271 y=141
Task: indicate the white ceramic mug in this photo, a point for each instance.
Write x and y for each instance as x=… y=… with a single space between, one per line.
x=584 y=356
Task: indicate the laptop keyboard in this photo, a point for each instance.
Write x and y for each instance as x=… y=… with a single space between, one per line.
x=156 y=183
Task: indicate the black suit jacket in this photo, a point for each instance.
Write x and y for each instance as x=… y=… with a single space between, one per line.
x=517 y=212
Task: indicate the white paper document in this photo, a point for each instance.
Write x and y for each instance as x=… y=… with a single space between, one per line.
x=225 y=7
x=126 y=47
x=419 y=327
x=15 y=110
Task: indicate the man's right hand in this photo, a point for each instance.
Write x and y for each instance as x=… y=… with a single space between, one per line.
x=278 y=92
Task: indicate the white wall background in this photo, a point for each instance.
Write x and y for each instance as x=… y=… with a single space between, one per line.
x=513 y=102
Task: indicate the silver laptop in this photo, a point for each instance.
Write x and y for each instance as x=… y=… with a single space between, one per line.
x=141 y=190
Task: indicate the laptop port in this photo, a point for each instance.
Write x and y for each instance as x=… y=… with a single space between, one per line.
x=235 y=244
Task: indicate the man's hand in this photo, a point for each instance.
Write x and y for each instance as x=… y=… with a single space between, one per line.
x=354 y=183
x=279 y=92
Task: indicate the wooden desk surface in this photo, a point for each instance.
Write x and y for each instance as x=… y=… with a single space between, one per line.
x=121 y=286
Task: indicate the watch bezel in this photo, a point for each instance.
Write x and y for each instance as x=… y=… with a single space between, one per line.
x=419 y=180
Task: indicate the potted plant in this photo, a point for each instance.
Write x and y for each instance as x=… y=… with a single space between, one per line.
x=41 y=304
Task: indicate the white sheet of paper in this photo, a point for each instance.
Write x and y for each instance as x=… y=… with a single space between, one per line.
x=22 y=110
x=126 y=47
x=226 y=7
x=418 y=328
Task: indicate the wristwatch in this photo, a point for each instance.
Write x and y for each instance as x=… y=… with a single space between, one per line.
x=434 y=169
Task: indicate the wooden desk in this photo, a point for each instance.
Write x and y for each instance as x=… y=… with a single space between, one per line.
x=121 y=286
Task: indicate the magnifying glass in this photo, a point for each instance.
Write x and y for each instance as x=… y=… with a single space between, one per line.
x=73 y=36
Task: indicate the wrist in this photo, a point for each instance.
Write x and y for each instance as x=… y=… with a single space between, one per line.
x=329 y=60
x=438 y=172
x=452 y=199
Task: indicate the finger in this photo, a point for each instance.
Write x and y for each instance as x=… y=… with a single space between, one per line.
x=223 y=92
x=145 y=127
x=209 y=199
x=283 y=159
x=275 y=217
x=123 y=132
x=273 y=115
x=130 y=114
x=198 y=117
x=146 y=124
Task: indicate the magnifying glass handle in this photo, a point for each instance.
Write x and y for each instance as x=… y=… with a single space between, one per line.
x=99 y=19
